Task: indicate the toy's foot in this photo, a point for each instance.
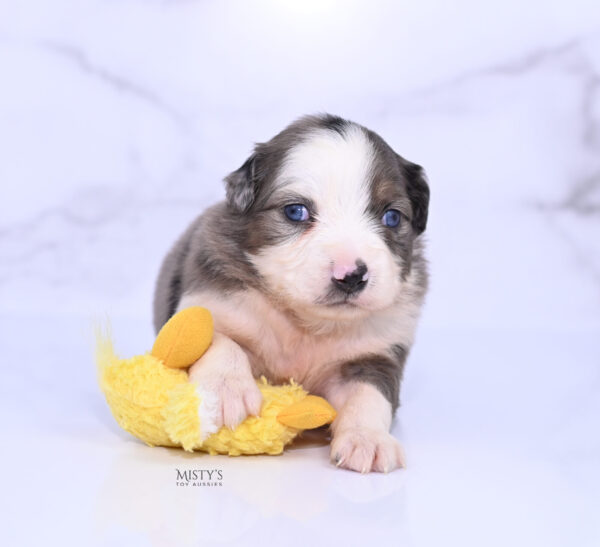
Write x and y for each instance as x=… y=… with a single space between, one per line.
x=366 y=450
x=223 y=374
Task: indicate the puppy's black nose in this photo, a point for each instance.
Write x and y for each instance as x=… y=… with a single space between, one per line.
x=355 y=281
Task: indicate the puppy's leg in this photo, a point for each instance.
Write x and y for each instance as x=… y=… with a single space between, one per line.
x=224 y=373
x=366 y=396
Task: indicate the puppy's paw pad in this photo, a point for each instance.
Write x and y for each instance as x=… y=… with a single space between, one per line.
x=366 y=450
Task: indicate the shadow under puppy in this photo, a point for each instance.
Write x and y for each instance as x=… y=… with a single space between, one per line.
x=313 y=269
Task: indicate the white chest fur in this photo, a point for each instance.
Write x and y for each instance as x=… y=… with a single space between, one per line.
x=280 y=349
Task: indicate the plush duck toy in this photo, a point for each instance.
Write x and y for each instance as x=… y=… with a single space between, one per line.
x=151 y=398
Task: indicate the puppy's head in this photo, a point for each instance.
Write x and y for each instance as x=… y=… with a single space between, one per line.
x=330 y=213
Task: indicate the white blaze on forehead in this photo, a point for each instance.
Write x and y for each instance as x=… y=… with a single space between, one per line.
x=334 y=171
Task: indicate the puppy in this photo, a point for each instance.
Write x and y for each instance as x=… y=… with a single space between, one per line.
x=313 y=269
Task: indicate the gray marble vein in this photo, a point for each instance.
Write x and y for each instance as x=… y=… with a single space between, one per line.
x=122 y=84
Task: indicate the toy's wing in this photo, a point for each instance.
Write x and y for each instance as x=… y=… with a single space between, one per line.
x=184 y=338
x=309 y=413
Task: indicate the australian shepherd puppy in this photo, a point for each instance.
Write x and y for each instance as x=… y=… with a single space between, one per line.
x=313 y=269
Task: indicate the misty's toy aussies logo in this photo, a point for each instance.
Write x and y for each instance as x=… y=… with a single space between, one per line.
x=198 y=477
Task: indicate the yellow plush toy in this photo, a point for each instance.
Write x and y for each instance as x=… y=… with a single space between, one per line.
x=151 y=398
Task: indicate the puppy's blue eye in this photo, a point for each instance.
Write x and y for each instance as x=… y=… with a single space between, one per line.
x=391 y=218
x=296 y=212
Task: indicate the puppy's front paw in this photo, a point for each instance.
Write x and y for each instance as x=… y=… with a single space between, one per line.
x=224 y=376
x=366 y=450
x=231 y=397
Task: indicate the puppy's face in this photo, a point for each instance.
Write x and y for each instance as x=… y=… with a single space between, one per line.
x=330 y=213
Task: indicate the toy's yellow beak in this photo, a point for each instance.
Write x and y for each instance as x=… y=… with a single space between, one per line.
x=309 y=413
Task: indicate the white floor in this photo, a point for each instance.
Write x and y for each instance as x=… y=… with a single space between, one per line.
x=500 y=429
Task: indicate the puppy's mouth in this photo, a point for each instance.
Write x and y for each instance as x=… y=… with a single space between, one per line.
x=346 y=306
x=346 y=303
x=336 y=300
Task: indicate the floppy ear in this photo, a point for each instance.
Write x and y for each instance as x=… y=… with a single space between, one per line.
x=418 y=193
x=241 y=186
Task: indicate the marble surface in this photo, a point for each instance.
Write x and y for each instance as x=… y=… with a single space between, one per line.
x=118 y=121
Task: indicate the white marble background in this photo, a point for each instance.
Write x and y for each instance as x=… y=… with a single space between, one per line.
x=118 y=121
